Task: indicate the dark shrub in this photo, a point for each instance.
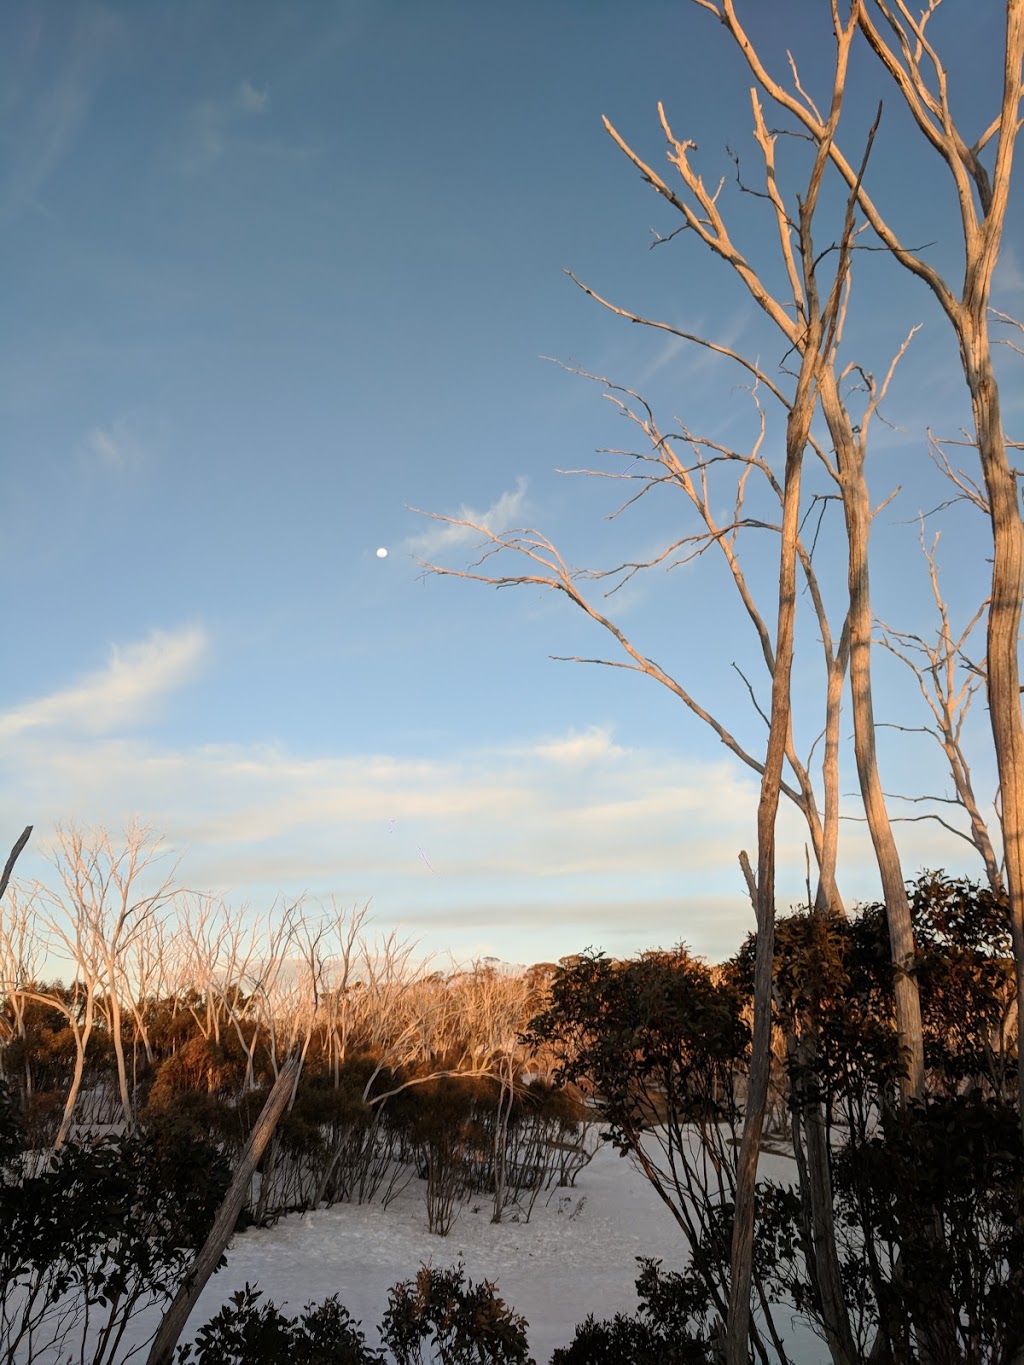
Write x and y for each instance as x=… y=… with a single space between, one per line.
x=441 y=1316
x=246 y=1332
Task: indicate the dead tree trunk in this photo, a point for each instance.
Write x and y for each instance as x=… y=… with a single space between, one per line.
x=23 y=839
x=1004 y=616
x=857 y=511
x=206 y=1263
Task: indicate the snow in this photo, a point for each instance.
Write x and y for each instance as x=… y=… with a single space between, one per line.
x=577 y=1255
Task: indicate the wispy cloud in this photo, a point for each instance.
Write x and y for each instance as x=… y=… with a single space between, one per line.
x=251 y=100
x=502 y=515
x=116 y=448
x=215 y=123
x=530 y=851
x=574 y=750
x=686 y=362
x=118 y=694
x=46 y=106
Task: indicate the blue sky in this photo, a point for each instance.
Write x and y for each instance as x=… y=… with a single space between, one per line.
x=275 y=274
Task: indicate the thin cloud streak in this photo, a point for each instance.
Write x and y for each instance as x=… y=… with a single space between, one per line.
x=503 y=513
x=116 y=448
x=120 y=693
x=526 y=850
x=251 y=100
x=45 y=114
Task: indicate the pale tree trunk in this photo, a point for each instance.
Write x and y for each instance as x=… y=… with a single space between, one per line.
x=741 y=1261
x=982 y=233
x=118 y=1041
x=827 y=896
x=82 y=1032
x=1004 y=624
x=816 y=344
x=857 y=512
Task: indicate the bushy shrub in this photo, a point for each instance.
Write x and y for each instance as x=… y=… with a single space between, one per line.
x=943 y=1181
x=202 y=1065
x=655 y=1039
x=441 y=1316
x=246 y=1332
x=670 y=1326
x=98 y=1232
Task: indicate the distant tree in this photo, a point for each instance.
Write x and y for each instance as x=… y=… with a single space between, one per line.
x=107 y=893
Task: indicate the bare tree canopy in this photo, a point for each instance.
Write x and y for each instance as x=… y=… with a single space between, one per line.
x=804 y=282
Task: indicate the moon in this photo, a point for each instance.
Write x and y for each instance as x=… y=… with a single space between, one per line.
x=382 y=553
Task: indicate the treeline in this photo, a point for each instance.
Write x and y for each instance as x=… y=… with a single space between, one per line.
x=179 y=1005
x=899 y=1234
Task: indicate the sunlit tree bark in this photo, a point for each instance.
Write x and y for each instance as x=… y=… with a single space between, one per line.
x=901 y=41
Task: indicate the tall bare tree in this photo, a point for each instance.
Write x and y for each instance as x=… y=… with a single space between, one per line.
x=811 y=321
x=902 y=44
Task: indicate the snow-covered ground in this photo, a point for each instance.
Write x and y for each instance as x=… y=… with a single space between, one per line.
x=577 y=1255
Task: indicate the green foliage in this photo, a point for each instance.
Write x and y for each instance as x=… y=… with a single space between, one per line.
x=198 y=1065
x=927 y=1199
x=246 y=1332
x=643 y=1036
x=97 y=1232
x=939 y=1193
x=966 y=979
x=453 y=1320
x=669 y=1327
x=834 y=1002
x=658 y=1042
x=440 y=1316
x=833 y=990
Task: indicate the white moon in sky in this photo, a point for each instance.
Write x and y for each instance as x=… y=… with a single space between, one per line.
x=382 y=553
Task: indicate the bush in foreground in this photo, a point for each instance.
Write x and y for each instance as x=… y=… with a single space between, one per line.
x=246 y=1332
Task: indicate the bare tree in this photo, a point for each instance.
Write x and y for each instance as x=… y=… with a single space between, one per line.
x=148 y=974
x=493 y=1008
x=810 y=317
x=21 y=953
x=948 y=683
x=902 y=44
x=18 y=952
x=104 y=904
x=346 y=930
